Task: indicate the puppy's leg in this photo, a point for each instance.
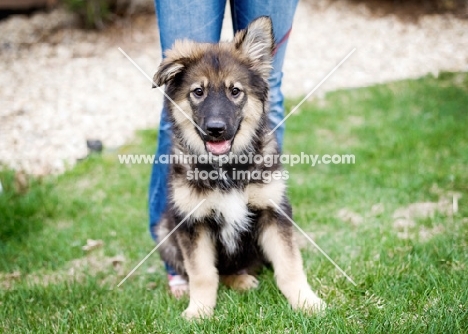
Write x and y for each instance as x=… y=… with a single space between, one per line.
x=199 y=260
x=277 y=241
x=241 y=282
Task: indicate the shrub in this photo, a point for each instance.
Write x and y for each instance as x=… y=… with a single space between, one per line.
x=93 y=13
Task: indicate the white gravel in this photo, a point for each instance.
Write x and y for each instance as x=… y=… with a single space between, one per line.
x=387 y=49
x=61 y=86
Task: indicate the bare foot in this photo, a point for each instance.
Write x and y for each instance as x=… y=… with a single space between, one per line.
x=178 y=285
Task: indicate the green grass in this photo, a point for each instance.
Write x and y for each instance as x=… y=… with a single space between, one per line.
x=410 y=140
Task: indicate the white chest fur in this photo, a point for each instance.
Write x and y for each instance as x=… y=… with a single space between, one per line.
x=233 y=216
x=230 y=208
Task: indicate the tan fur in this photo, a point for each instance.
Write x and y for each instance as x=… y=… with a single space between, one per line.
x=186 y=49
x=203 y=276
x=186 y=199
x=256 y=42
x=270 y=146
x=162 y=232
x=252 y=112
x=289 y=273
x=191 y=137
x=259 y=194
x=240 y=282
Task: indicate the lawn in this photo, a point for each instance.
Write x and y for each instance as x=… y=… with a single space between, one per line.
x=396 y=221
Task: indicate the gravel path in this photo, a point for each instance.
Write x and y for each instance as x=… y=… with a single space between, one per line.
x=61 y=86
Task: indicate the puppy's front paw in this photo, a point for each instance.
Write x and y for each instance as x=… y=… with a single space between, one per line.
x=309 y=302
x=196 y=312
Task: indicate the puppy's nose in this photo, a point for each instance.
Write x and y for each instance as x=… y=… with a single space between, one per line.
x=215 y=128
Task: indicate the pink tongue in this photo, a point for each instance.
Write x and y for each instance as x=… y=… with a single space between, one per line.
x=219 y=147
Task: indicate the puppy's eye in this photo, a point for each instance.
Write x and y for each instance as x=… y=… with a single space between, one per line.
x=235 y=91
x=198 y=92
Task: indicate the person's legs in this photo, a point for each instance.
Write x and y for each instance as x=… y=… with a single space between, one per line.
x=282 y=14
x=198 y=20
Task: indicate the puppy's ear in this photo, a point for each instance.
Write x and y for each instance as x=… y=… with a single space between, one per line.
x=167 y=71
x=257 y=43
x=176 y=59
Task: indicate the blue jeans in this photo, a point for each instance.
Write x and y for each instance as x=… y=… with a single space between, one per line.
x=201 y=21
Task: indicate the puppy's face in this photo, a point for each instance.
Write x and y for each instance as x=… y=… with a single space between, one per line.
x=221 y=87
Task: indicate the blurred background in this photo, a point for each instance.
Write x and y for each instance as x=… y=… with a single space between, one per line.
x=63 y=80
x=73 y=223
